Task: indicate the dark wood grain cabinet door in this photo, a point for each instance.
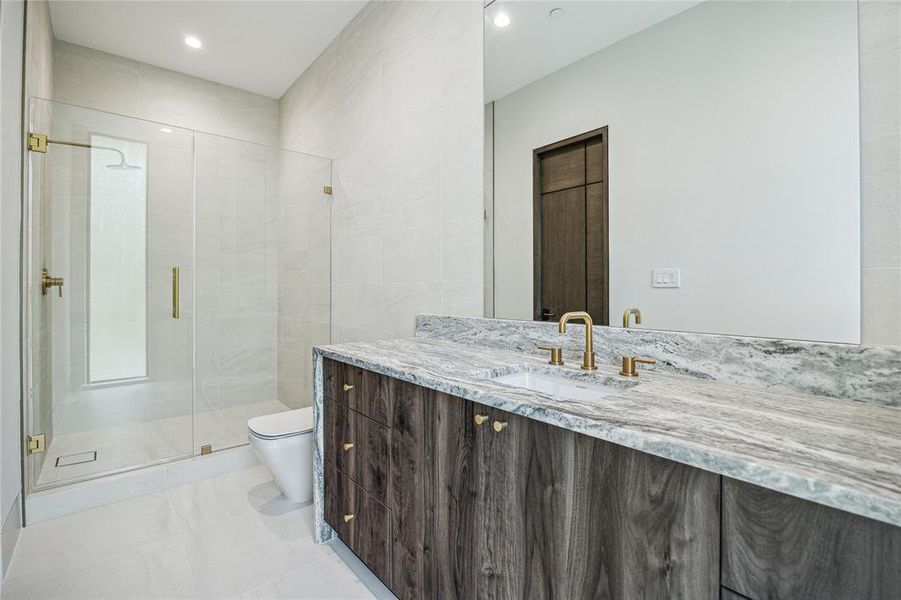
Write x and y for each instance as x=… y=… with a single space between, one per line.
x=458 y=513
x=776 y=546
x=412 y=491
x=576 y=517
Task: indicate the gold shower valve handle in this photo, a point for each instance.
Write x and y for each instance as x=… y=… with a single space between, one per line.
x=347 y=387
x=499 y=426
x=480 y=419
x=48 y=282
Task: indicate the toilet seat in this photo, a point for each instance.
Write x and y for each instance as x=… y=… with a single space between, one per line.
x=282 y=424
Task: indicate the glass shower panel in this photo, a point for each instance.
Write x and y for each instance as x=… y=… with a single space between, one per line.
x=263 y=273
x=109 y=366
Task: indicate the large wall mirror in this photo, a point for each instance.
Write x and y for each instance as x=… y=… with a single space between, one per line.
x=698 y=161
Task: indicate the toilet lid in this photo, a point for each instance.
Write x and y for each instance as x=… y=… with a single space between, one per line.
x=282 y=424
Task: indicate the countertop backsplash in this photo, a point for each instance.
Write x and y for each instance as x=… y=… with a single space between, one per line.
x=845 y=371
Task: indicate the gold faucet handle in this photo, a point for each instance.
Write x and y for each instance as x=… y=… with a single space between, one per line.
x=629 y=365
x=556 y=354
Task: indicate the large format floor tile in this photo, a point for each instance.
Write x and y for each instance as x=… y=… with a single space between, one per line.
x=231 y=536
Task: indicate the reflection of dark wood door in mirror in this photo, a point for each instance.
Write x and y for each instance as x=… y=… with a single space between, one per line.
x=570 y=228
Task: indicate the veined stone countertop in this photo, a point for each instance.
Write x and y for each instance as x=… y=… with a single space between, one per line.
x=838 y=453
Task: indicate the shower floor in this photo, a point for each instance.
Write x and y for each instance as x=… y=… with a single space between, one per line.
x=149 y=441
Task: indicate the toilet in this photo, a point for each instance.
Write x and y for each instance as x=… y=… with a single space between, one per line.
x=284 y=443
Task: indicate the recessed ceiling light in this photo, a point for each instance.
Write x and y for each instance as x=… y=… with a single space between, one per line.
x=193 y=42
x=556 y=13
x=165 y=130
x=501 y=19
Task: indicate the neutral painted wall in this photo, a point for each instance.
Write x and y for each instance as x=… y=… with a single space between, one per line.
x=396 y=100
x=107 y=82
x=880 y=148
x=12 y=20
x=733 y=131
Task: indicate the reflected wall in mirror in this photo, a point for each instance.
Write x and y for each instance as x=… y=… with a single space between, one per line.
x=696 y=160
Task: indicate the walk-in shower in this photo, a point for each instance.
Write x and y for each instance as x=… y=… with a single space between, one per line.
x=190 y=276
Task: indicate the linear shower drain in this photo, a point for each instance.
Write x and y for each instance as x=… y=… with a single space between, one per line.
x=76 y=459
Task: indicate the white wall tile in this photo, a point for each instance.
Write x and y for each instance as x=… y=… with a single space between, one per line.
x=412 y=255
x=881 y=302
x=102 y=81
x=397 y=101
x=880 y=104
x=462 y=253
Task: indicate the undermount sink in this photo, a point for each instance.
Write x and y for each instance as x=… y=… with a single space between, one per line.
x=591 y=387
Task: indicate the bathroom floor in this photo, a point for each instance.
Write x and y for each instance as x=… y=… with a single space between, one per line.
x=231 y=536
x=148 y=441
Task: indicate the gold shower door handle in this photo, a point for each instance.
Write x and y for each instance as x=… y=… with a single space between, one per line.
x=175 y=302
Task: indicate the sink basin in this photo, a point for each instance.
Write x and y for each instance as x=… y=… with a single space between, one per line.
x=574 y=388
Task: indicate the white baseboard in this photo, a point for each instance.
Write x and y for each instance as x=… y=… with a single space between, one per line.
x=9 y=535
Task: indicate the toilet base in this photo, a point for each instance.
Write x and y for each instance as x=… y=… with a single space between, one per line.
x=290 y=460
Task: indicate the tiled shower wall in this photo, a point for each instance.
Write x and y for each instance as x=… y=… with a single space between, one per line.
x=396 y=100
x=880 y=147
x=102 y=81
x=236 y=249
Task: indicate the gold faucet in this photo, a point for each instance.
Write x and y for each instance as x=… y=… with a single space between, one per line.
x=628 y=313
x=588 y=356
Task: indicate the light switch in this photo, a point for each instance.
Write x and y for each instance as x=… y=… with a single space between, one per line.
x=666 y=278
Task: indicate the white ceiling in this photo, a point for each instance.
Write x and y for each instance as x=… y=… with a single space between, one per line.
x=260 y=46
x=534 y=45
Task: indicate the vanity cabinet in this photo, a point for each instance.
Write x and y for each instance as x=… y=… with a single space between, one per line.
x=510 y=507
x=446 y=498
x=777 y=546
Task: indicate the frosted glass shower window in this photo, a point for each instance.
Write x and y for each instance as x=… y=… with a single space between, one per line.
x=117 y=278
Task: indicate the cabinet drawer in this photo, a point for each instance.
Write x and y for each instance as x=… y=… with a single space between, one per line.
x=358 y=447
x=363 y=391
x=362 y=522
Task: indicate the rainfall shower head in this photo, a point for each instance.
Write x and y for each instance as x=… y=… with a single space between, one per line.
x=121 y=165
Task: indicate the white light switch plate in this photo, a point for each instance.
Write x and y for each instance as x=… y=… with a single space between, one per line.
x=666 y=278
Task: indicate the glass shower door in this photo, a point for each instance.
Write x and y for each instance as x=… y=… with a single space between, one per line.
x=263 y=282
x=109 y=313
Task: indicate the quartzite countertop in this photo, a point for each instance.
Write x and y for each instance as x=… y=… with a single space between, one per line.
x=839 y=453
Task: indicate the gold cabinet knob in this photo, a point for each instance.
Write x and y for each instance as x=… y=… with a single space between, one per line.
x=499 y=425
x=347 y=446
x=479 y=419
x=347 y=387
x=348 y=518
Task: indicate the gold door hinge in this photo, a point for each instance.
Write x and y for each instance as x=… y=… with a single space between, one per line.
x=37 y=443
x=37 y=142
x=206 y=449
x=327 y=190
